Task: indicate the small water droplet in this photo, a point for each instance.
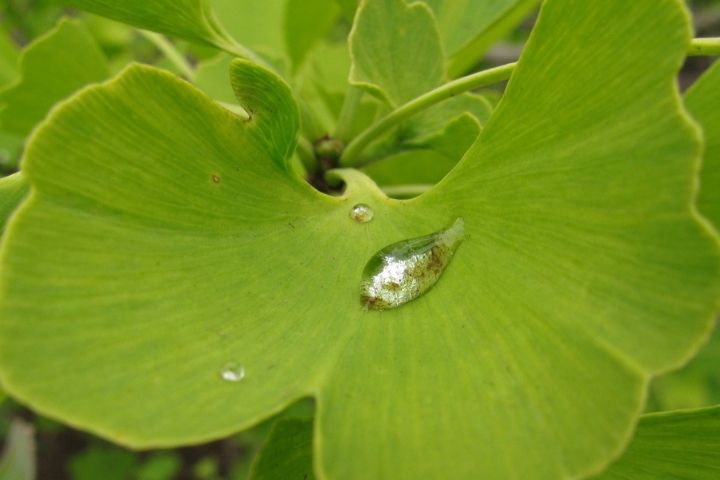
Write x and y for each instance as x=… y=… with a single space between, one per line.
x=403 y=271
x=232 y=372
x=362 y=213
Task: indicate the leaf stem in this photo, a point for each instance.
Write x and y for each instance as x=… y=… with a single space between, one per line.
x=350 y=157
x=704 y=46
x=171 y=53
x=307 y=154
x=351 y=154
x=348 y=113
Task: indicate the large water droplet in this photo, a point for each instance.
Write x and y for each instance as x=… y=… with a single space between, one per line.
x=232 y=372
x=403 y=271
x=362 y=213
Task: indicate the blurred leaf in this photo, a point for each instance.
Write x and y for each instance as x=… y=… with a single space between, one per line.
x=206 y=469
x=18 y=457
x=469 y=27
x=306 y=22
x=188 y=19
x=287 y=453
x=681 y=445
x=69 y=56
x=434 y=120
x=106 y=463
x=429 y=160
x=8 y=59
x=160 y=466
x=695 y=385
x=255 y=23
x=213 y=77
x=12 y=190
x=703 y=102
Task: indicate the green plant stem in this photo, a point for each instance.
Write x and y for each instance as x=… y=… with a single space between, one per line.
x=306 y=152
x=348 y=113
x=171 y=53
x=350 y=157
x=351 y=154
x=704 y=46
x=406 y=191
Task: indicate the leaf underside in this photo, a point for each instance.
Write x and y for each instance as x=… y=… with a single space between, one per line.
x=165 y=237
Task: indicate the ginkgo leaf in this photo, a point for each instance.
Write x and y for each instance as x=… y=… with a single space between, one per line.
x=469 y=27
x=682 y=445
x=287 y=452
x=12 y=190
x=696 y=385
x=395 y=49
x=192 y=20
x=397 y=55
x=306 y=22
x=168 y=247
x=255 y=23
x=8 y=59
x=703 y=102
x=69 y=56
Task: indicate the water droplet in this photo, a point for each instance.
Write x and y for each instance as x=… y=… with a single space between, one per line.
x=405 y=270
x=362 y=213
x=232 y=372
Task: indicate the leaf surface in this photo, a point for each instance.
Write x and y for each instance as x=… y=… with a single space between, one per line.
x=287 y=452
x=395 y=49
x=683 y=445
x=12 y=191
x=469 y=27
x=172 y=251
x=69 y=56
x=192 y=20
x=703 y=102
x=695 y=385
x=306 y=22
x=8 y=58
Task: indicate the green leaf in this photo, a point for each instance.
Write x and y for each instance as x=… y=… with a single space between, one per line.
x=167 y=244
x=669 y=445
x=469 y=27
x=8 y=59
x=703 y=102
x=160 y=466
x=672 y=446
x=400 y=63
x=12 y=191
x=53 y=67
x=192 y=20
x=103 y=462
x=306 y=22
x=287 y=453
x=395 y=50
x=696 y=385
x=213 y=77
x=429 y=159
x=18 y=458
x=255 y=23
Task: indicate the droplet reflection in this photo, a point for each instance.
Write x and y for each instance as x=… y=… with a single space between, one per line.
x=362 y=213
x=232 y=372
x=403 y=271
